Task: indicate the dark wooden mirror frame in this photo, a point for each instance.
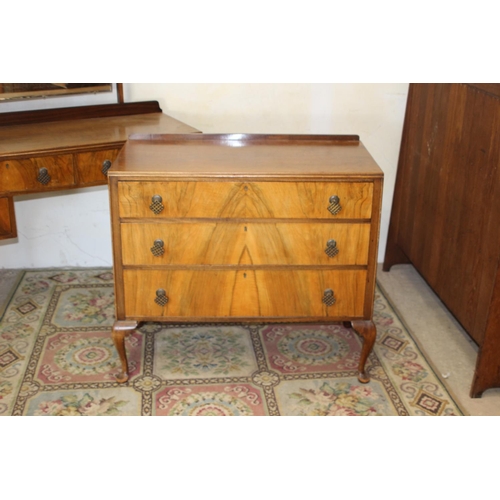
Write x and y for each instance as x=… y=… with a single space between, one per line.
x=80 y=112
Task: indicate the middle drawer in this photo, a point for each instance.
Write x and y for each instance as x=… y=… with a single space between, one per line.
x=245 y=243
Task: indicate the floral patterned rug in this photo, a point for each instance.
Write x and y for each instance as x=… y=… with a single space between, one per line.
x=57 y=358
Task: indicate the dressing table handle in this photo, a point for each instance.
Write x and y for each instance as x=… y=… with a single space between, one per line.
x=106 y=165
x=43 y=176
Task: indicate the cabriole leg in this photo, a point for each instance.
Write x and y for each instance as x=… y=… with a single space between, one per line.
x=368 y=331
x=122 y=329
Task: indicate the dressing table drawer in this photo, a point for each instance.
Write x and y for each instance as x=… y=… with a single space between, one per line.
x=92 y=167
x=35 y=174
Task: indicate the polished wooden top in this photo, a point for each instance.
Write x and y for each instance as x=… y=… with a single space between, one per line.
x=75 y=134
x=246 y=155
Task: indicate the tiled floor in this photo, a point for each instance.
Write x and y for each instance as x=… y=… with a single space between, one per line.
x=449 y=349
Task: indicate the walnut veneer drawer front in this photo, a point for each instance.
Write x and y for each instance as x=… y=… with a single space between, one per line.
x=92 y=167
x=225 y=228
x=33 y=174
x=244 y=293
x=281 y=200
x=245 y=243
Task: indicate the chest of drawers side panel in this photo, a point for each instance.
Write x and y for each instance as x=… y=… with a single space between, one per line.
x=117 y=249
x=373 y=249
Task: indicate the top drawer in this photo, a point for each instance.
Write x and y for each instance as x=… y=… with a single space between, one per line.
x=264 y=200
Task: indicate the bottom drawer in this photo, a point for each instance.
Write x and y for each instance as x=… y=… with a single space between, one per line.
x=243 y=293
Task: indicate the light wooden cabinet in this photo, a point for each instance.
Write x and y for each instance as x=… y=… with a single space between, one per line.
x=245 y=228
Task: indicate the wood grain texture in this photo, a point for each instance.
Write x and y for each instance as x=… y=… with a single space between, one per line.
x=244 y=243
x=248 y=155
x=446 y=209
x=78 y=113
x=69 y=142
x=120 y=96
x=245 y=224
x=21 y=175
x=243 y=293
x=373 y=248
x=88 y=166
x=492 y=88
x=487 y=372
x=287 y=200
x=8 y=227
x=117 y=249
x=367 y=330
x=122 y=329
x=78 y=134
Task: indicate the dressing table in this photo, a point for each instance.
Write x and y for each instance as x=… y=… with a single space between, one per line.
x=68 y=148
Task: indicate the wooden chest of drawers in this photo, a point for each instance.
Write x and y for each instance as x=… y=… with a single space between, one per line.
x=245 y=228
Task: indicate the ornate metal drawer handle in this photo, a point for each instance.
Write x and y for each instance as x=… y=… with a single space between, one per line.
x=106 y=165
x=331 y=248
x=156 y=204
x=328 y=297
x=334 y=208
x=158 y=248
x=43 y=176
x=161 y=297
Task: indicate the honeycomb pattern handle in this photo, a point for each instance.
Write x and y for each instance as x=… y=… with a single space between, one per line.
x=43 y=176
x=331 y=248
x=156 y=204
x=329 y=297
x=106 y=165
x=161 y=297
x=158 y=248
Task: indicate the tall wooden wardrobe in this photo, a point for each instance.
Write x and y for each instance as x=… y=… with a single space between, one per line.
x=445 y=216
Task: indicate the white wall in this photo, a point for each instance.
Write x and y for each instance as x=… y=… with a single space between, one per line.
x=72 y=228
